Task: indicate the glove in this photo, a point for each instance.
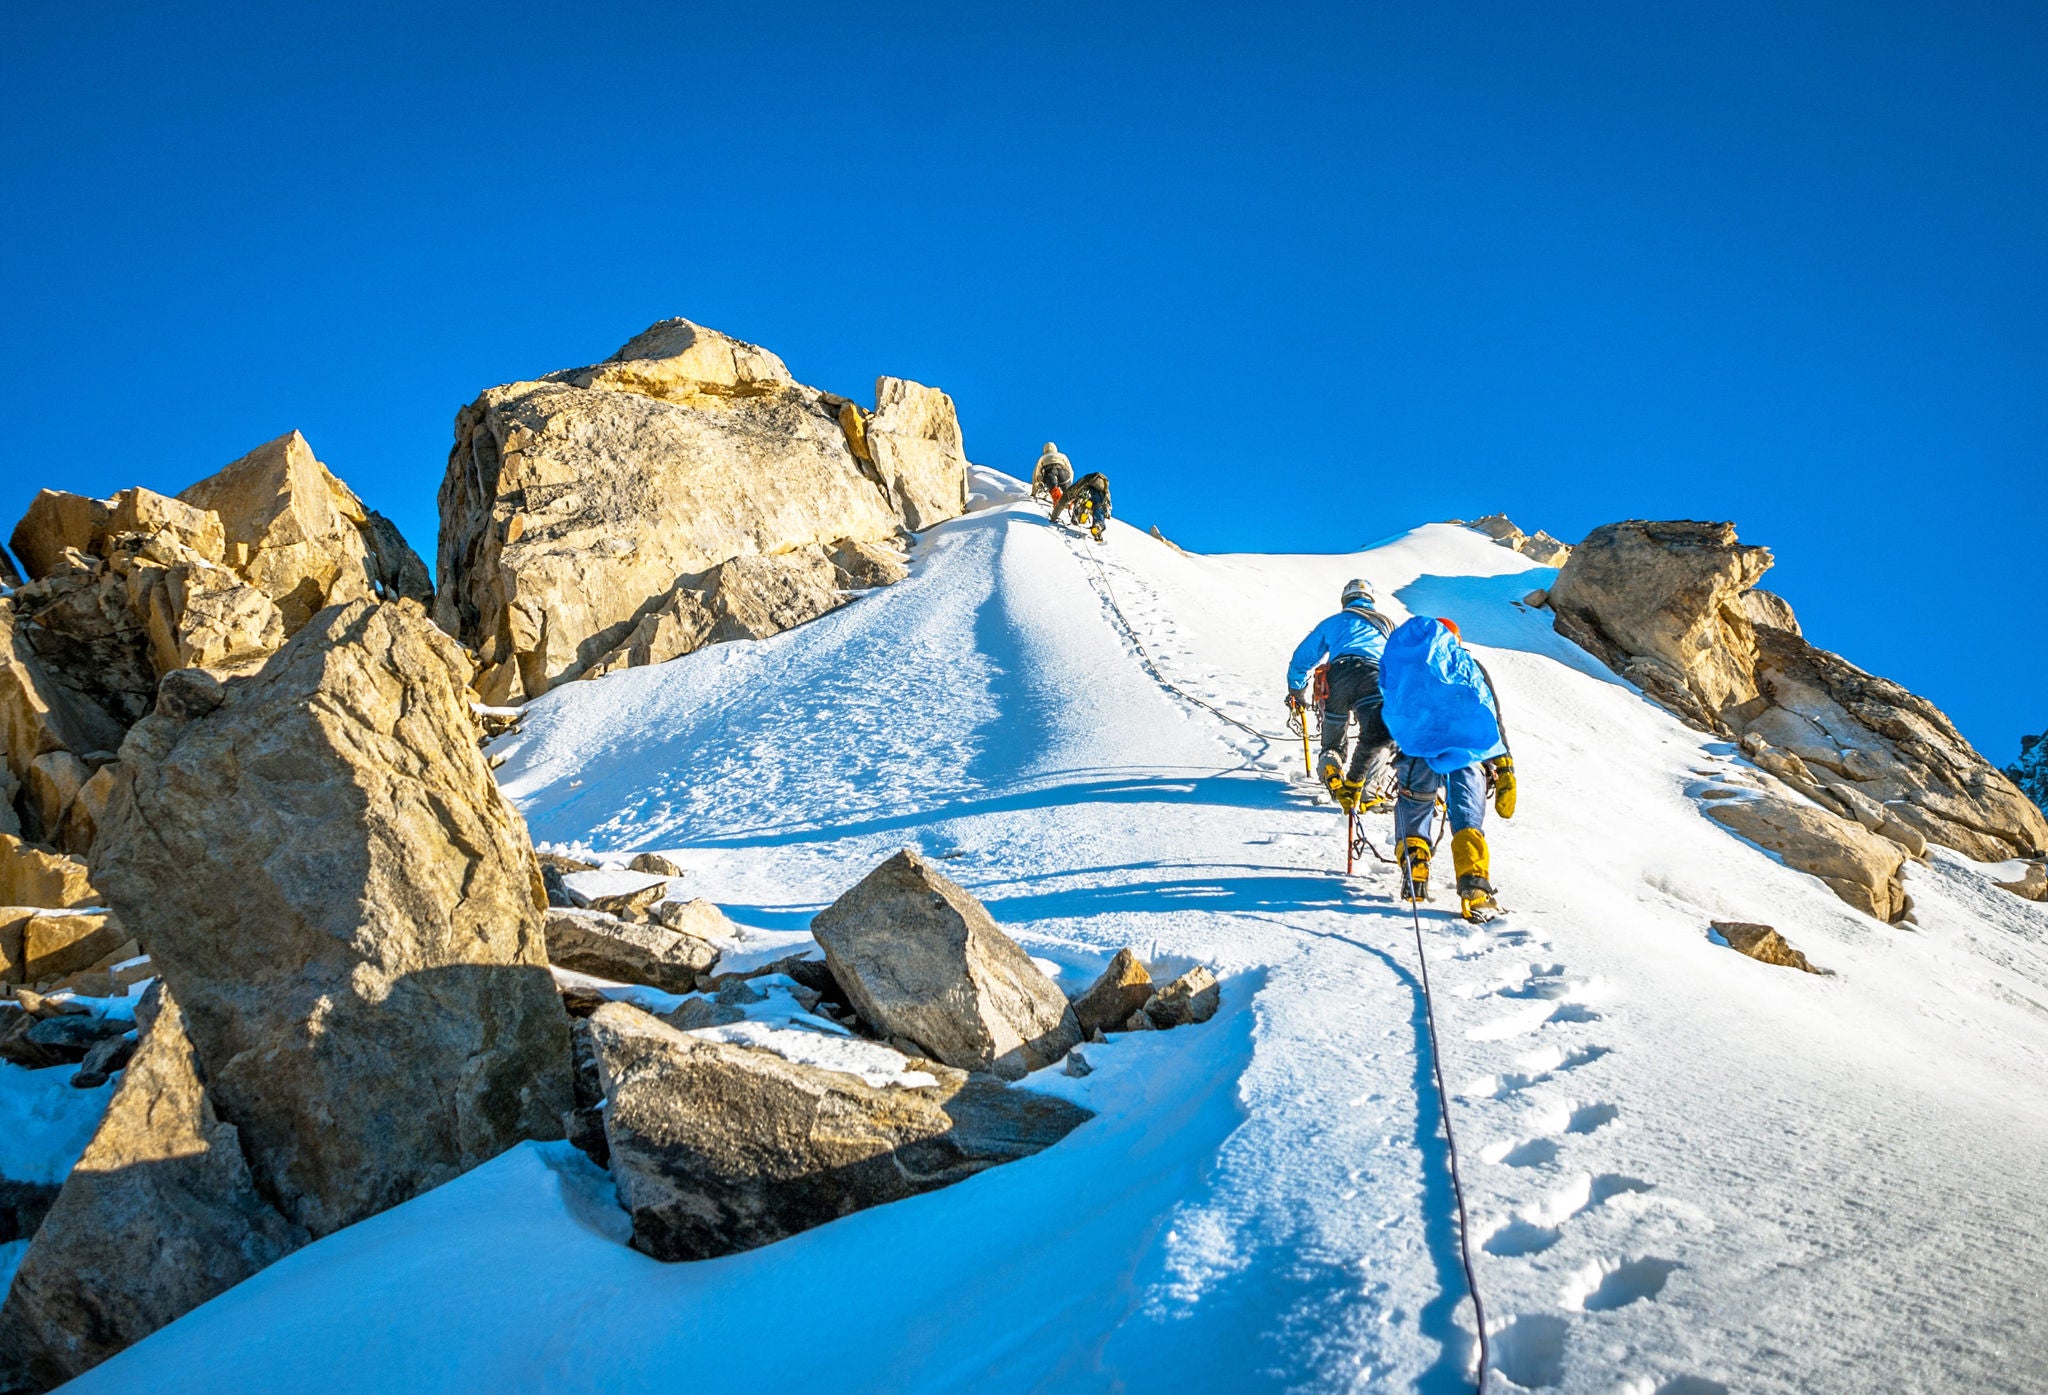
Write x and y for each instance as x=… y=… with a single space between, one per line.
x=1504 y=786
x=1297 y=699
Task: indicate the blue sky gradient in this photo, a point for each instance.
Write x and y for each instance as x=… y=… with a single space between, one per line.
x=1296 y=278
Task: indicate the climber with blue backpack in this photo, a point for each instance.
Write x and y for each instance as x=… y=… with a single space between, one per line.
x=1441 y=707
x=1351 y=642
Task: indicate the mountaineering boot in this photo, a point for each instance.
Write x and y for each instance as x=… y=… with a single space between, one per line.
x=1475 y=891
x=1331 y=773
x=1096 y=531
x=1415 y=869
x=1348 y=793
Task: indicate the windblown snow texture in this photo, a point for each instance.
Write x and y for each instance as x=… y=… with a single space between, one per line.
x=1691 y=1172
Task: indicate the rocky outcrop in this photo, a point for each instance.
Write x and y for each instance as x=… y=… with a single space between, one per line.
x=1538 y=547
x=582 y=514
x=1121 y=990
x=1672 y=608
x=716 y=1148
x=745 y=598
x=919 y=958
x=348 y=912
x=160 y=1215
x=122 y=591
x=301 y=537
x=1763 y=944
x=1193 y=997
x=32 y=876
x=590 y=942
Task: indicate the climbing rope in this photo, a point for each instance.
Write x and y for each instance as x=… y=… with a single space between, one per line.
x=1443 y=1100
x=1436 y=1055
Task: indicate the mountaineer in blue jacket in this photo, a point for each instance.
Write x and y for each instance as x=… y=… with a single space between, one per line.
x=1351 y=640
x=1441 y=707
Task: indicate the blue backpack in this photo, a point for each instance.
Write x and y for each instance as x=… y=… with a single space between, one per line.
x=1438 y=703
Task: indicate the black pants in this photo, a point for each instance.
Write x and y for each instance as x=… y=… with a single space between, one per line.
x=1355 y=692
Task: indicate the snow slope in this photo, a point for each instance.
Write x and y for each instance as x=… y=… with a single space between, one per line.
x=1689 y=1172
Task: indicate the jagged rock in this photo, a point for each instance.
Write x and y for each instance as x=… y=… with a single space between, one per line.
x=920 y=958
x=55 y=945
x=1762 y=943
x=37 y=714
x=717 y=1148
x=1768 y=608
x=1140 y=1021
x=1193 y=997
x=1659 y=603
x=57 y=521
x=913 y=438
x=394 y=1022
x=745 y=598
x=554 y=869
x=1499 y=527
x=1120 y=991
x=1537 y=599
x=654 y=864
x=699 y=919
x=1671 y=607
x=75 y=1032
x=32 y=876
x=108 y=1057
x=1541 y=548
x=863 y=566
x=697 y=1013
x=17 y=1046
x=1859 y=866
x=53 y=782
x=90 y=641
x=301 y=536
x=591 y=942
x=160 y=1215
x=87 y=808
x=2032 y=884
x=1076 y=1065
x=578 y=506
x=627 y=895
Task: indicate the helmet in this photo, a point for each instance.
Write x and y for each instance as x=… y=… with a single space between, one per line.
x=1357 y=589
x=1450 y=625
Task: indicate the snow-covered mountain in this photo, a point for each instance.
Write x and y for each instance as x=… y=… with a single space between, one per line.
x=1687 y=1171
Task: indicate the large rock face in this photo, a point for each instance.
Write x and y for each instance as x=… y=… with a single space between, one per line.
x=1670 y=606
x=717 y=1148
x=160 y=1215
x=122 y=591
x=318 y=861
x=921 y=959
x=1857 y=865
x=576 y=507
x=301 y=536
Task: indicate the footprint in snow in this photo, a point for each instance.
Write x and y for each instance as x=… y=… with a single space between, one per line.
x=1535 y=1229
x=1609 y=1284
x=1543 y=1014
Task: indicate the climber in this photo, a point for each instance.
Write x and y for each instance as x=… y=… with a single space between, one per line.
x=1052 y=476
x=1086 y=505
x=1352 y=640
x=1441 y=708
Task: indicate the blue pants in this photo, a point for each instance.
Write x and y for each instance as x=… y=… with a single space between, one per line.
x=1464 y=794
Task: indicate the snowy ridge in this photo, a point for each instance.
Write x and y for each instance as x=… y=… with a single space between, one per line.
x=1690 y=1172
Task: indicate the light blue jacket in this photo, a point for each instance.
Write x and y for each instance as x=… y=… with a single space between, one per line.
x=1438 y=702
x=1350 y=631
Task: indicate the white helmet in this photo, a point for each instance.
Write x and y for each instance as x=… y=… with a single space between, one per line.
x=1050 y=449
x=1357 y=589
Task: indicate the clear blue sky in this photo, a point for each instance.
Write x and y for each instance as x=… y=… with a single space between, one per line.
x=1297 y=277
